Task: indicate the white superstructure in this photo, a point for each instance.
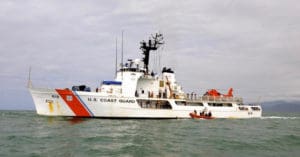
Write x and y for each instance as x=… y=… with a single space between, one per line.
x=137 y=93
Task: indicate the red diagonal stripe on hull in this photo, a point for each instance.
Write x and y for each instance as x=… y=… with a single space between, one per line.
x=74 y=104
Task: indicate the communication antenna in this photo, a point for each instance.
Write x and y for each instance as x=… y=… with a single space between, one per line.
x=116 y=55
x=258 y=100
x=122 y=54
x=29 y=83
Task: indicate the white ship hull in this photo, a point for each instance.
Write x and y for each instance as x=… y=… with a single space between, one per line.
x=57 y=102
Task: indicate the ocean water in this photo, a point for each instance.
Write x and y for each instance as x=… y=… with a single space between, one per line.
x=23 y=133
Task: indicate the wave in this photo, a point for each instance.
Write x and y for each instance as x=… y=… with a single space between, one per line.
x=277 y=117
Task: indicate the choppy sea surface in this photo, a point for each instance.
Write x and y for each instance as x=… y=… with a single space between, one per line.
x=23 y=133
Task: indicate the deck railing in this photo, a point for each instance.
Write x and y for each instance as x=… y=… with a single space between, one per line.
x=217 y=99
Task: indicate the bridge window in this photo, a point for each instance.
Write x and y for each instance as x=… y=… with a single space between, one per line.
x=254 y=108
x=184 y=103
x=242 y=108
x=220 y=104
x=154 y=104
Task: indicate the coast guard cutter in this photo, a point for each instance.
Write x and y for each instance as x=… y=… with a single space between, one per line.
x=138 y=93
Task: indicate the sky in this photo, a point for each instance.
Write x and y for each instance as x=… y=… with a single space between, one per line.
x=250 y=45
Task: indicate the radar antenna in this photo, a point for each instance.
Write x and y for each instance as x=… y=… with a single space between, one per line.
x=153 y=44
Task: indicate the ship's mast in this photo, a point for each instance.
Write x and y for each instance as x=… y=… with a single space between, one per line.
x=29 y=83
x=152 y=44
x=122 y=64
x=116 y=70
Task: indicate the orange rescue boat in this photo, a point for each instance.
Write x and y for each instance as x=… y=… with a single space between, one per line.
x=195 y=116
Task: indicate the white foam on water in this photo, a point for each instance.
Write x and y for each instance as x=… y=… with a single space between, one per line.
x=277 y=117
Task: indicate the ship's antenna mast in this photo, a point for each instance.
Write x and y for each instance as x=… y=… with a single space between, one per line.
x=116 y=56
x=29 y=84
x=152 y=44
x=258 y=100
x=122 y=54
